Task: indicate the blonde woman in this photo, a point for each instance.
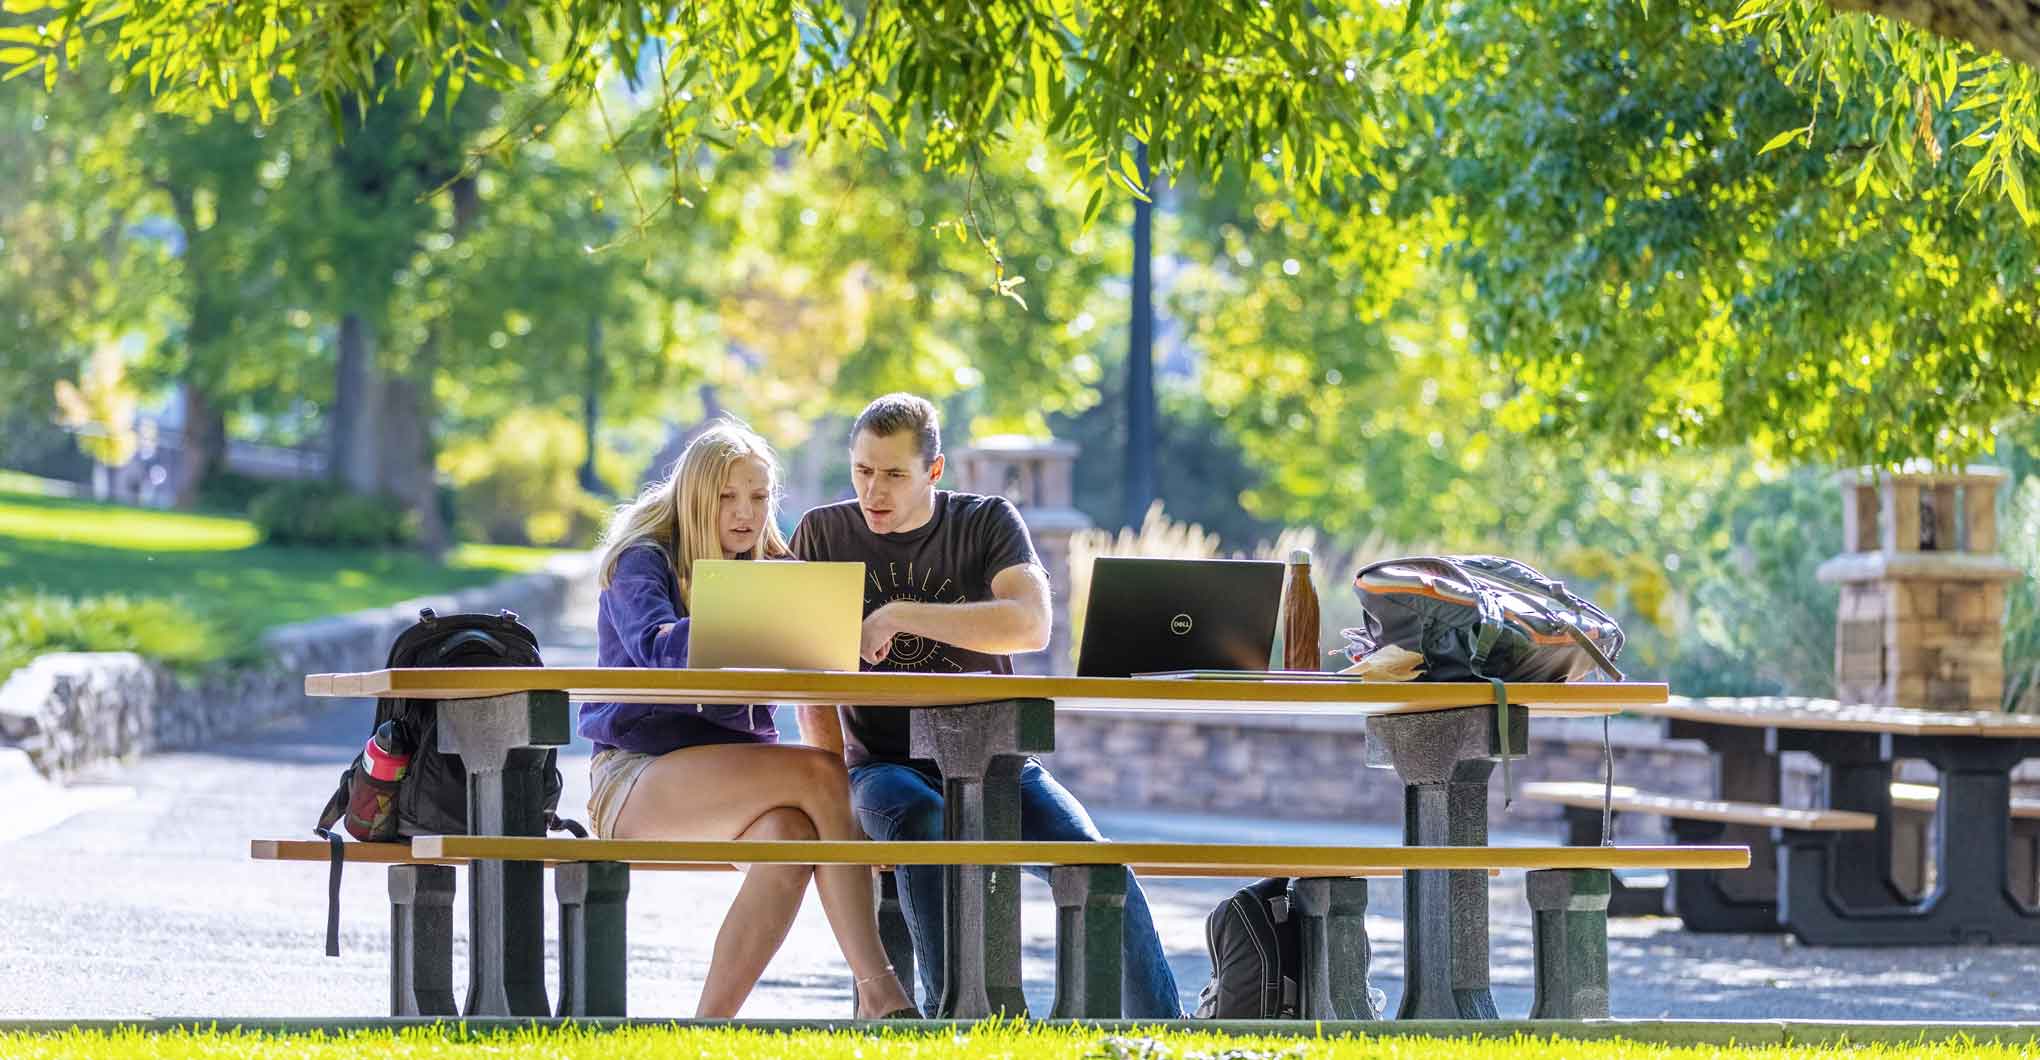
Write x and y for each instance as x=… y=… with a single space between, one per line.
x=719 y=772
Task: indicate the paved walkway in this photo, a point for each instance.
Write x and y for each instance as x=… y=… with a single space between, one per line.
x=133 y=896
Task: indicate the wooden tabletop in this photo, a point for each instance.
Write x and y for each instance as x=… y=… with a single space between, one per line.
x=1827 y=715
x=1327 y=860
x=644 y=685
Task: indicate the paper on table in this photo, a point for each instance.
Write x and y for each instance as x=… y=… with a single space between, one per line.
x=1387 y=663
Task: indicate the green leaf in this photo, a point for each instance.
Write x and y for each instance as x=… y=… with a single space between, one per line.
x=1784 y=138
x=19 y=55
x=18 y=71
x=1129 y=171
x=2015 y=190
x=1411 y=15
x=1044 y=100
x=26 y=7
x=1092 y=207
x=20 y=34
x=332 y=101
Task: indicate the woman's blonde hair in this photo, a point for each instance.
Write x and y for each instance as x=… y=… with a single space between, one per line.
x=678 y=514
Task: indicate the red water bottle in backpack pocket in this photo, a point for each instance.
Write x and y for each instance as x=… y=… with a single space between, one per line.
x=372 y=797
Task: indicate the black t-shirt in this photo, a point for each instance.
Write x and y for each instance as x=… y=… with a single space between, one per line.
x=951 y=560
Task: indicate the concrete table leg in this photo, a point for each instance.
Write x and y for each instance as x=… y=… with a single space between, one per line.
x=1856 y=775
x=1445 y=928
x=421 y=940
x=501 y=741
x=1746 y=769
x=1569 y=935
x=979 y=750
x=1090 y=929
x=594 y=943
x=1466 y=805
x=1336 y=954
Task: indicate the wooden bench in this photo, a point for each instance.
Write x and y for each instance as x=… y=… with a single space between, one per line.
x=419 y=901
x=1694 y=895
x=1567 y=889
x=1913 y=811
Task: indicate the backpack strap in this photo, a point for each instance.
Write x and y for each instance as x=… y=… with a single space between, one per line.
x=339 y=859
x=555 y=823
x=1502 y=726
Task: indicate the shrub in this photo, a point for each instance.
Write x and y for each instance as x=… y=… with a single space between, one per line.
x=320 y=513
x=231 y=492
x=161 y=629
x=520 y=485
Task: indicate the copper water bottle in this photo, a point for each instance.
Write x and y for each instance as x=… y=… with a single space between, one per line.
x=1300 y=616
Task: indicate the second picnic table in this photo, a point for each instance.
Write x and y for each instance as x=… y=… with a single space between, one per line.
x=1442 y=739
x=1839 y=887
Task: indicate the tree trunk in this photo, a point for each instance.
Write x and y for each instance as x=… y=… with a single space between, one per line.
x=409 y=452
x=2008 y=27
x=354 y=461
x=1140 y=359
x=203 y=448
x=409 y=455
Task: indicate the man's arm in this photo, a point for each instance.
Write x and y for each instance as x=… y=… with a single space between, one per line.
x=822 y=727
x=1015 y=620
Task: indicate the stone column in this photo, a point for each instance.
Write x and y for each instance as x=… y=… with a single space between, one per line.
x=1037 y=475
x=1921 y=621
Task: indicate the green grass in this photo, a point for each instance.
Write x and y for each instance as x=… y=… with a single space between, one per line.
x=1004 y=1043
x=189 y=589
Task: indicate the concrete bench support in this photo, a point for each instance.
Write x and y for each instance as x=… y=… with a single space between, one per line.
x=594 y=951
x=1090 y=930
x=1569 y=939
x=421 y=940
x=1336 y=954
x=1583 y=829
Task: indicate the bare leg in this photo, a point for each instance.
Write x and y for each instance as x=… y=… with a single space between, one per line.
x=727 y=791
x=758 y=920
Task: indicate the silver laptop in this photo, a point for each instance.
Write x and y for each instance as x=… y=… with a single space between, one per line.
x=775 y=614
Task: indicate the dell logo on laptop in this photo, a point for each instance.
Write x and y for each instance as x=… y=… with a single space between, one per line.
x=1180 y=625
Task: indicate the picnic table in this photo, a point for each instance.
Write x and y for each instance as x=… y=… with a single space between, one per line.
x=1839 y=887
x=1442 y=740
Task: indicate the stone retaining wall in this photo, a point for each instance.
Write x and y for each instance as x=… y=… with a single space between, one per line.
x=74 y=710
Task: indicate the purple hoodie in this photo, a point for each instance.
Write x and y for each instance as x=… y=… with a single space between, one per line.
x=643 y=595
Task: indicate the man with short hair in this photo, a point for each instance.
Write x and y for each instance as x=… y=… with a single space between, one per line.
x=952 y=586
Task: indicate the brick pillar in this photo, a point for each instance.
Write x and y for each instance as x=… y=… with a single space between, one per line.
x=1921 y=619
x=1038 y=476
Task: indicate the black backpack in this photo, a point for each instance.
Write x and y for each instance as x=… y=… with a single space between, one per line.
x=1256 y=956
x=431 y=799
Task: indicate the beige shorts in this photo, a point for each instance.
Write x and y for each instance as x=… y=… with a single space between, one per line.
x=612 y=774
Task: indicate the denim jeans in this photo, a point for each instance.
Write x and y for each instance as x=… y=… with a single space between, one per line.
x=901 y=803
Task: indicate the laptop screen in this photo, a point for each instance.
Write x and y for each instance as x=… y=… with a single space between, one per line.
x=1155 y=615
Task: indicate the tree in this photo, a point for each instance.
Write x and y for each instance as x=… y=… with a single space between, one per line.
x=1655 y=275
x=1337 y=105
x=1987 y=25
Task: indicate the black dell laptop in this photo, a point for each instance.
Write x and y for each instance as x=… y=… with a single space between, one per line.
x=1164 y=615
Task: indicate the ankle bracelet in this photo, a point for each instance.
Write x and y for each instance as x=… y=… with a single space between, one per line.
x=873 y=978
